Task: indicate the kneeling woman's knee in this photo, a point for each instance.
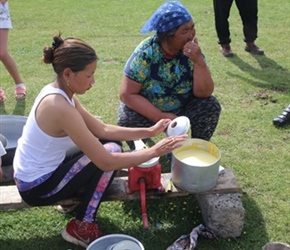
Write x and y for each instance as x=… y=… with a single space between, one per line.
x=113 y=147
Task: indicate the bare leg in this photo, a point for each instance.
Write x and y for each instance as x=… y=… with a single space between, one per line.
x=6 y=58
x=10 y=65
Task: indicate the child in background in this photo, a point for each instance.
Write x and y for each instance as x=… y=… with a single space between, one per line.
x=6 y=58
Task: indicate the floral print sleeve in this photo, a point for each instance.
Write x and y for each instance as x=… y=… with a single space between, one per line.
x=166 y=83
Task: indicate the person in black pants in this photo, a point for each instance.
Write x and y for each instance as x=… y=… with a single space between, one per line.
x=248 y=10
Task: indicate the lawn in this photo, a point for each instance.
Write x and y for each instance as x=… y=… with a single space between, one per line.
x=251 y=89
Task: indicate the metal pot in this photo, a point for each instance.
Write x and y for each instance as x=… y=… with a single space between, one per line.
x=195 y=166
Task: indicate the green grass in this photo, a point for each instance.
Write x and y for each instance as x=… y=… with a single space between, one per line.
x=251 y=89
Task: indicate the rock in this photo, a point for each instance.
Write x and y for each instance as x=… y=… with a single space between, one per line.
x=222 y=213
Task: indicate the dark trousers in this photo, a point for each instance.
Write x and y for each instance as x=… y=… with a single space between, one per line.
x=203 y=114
x=248 y=10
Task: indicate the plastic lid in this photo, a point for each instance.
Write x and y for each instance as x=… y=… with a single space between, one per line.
x=178 y=126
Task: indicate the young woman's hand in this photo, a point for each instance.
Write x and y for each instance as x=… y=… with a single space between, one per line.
x=168 y=144
x=160 y=126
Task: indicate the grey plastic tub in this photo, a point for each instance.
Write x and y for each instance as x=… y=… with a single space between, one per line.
x=11 y=127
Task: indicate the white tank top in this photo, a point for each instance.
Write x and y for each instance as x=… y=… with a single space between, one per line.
x=38 y=153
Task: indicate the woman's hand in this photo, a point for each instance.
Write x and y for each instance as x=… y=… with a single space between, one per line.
x=203 y=84
x=193 y=51
x=168 y=144
x=160 y=126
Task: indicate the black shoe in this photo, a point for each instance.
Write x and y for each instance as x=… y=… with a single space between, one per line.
x=226 y=50
x=254 y=49
x=282 y=119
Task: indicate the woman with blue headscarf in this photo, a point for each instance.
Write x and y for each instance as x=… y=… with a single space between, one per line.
x=167 y=76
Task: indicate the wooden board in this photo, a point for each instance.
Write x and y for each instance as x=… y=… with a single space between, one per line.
x=119 y=190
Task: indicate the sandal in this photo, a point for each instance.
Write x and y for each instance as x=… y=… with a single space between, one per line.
x=2 y=96
x=20 y=93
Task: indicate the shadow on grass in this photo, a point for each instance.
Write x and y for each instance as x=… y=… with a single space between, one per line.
x=266 y=76
x=40 y=243
x=169 y=218
x=31 y=228
x=166 y=217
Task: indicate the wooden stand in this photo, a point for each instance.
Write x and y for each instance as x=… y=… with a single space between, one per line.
x=119 y=191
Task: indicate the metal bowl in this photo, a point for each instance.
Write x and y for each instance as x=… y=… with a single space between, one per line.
x=11 y=127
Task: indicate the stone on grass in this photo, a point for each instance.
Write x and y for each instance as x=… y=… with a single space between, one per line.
x=222 y=213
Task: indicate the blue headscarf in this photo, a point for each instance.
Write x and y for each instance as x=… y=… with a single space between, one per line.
x=169 y=15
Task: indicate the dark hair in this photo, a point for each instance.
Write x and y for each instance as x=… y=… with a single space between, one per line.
x=163 y=36
x=70 y=53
